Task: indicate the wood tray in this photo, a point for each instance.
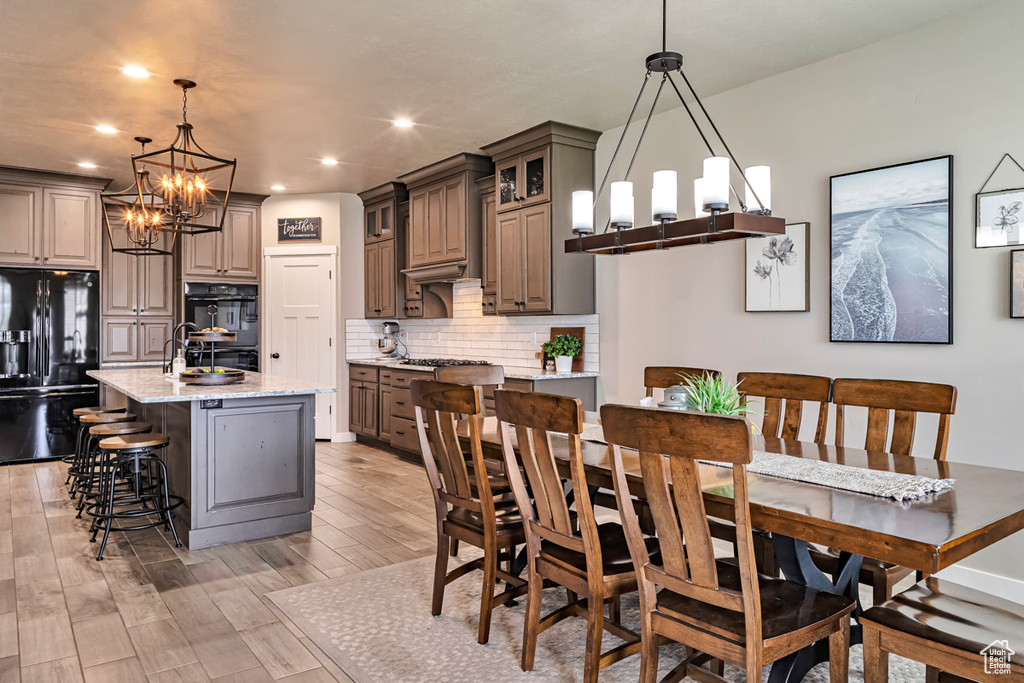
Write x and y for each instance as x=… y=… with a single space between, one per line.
x=229 y=376
x=212 y=336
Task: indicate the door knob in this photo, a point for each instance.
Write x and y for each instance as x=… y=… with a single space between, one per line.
x=275 y=355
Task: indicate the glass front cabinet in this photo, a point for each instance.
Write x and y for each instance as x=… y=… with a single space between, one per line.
x=523 y=180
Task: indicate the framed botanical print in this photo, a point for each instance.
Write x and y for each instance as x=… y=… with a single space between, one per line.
x=778 y=271
x=1017 y=283
x=998 y=218
x=891 y=252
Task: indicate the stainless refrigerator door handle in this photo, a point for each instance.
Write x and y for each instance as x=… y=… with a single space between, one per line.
x=46 y=337
x=39 y=328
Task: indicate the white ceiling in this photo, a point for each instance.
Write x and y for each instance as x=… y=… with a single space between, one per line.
x=284 y=83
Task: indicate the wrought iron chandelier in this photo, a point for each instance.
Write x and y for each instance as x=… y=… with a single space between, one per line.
x=138 y=214
x=194 y=185
x=712 y=221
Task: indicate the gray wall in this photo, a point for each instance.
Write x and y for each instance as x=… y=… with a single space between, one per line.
x=948 y=88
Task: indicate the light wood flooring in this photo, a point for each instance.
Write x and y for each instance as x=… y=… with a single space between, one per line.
x=153 y=612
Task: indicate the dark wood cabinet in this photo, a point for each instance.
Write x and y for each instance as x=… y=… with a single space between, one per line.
x=362 y=407
x=384 y=253
x=536 y=172
x=489 y=237
x=379 y=221
x=413 y=307
x=380 y=279
x=233 y=253
x=384 y=410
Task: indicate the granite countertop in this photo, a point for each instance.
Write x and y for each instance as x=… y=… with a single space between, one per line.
x=148 y=385
x=511 y=371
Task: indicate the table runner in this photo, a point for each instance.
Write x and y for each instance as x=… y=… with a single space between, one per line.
x=896 y=485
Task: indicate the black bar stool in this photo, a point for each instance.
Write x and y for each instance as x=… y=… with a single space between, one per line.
x=78 y=413
x=145 y=495
x=83 y=471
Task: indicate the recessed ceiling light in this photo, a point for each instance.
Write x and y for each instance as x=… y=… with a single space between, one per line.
x=86 y=164
x=402 y=123
x=109 y=130
x=135 y=71
x=278 y=187
x=329 y=162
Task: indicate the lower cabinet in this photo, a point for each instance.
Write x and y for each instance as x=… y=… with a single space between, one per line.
x=135 y=339
x=384 y=410
x=362 y=407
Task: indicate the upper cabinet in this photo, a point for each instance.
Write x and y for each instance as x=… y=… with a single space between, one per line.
x=444 y=214
x=231 y=254
x=49 y=219
x=384 y=286
x=536 y=172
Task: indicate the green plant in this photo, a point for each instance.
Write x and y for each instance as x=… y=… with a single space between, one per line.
x=709 y=394
x=563 y=345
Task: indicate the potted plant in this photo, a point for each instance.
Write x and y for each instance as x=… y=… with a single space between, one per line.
x=708 y=394
x=562 y=348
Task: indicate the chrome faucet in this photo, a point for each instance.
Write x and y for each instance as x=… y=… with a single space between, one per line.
x=173 y=341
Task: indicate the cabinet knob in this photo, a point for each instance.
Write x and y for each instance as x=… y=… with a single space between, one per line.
x=45 y=259
x=275 y=356
x=37 y=258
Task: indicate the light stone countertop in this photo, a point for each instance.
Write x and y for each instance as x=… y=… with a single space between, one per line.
x=148 y=385
x=511 y=372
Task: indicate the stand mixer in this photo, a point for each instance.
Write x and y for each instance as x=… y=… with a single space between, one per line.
x=389 y=342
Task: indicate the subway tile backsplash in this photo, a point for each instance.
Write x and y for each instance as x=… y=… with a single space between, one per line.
x=512 y=341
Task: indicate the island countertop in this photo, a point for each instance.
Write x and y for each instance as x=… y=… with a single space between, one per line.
x=148 y=385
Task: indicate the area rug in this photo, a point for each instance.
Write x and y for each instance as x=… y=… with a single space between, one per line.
x=377 y=627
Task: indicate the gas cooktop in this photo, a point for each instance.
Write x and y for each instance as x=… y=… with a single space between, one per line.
x=442 y=362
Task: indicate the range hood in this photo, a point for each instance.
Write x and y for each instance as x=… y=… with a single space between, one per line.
x=436 y=283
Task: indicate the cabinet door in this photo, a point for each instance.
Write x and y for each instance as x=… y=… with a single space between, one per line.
x=508 y=260
x=506 y=184
x=534 y=171
x=118 y=281
x=202 y=255
x=153 y=332
x=371 y=285
x=20 y=216
x=413 y=291
x=355 y=406
x=489 y=218
x=71 y=228
x=241 y=240
x=370 y=223
x=535 y=268
x=435 y=224
x=455 y=219
x=418 y=242
x=120 y=339
x=386 y=299
x=370 y=407
x=384 y=411
x=386 y=220
x=156 y=285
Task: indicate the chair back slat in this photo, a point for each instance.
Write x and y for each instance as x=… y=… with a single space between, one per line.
x=784 y=395
x=665 y=376
x=473 y=375
x=906 y=400
x=670 y=534
x=437 y=404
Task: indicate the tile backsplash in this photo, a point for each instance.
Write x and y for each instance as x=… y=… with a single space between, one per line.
x=512 y=341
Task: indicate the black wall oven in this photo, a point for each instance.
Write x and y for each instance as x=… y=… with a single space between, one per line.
x=236 y=309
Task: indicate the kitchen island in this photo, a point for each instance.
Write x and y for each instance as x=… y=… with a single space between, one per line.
x=241 y=455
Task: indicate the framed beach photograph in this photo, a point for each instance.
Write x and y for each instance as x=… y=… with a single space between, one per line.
x=999 y=215
x=891 y=250
x=777 y=271
x=1017 y=283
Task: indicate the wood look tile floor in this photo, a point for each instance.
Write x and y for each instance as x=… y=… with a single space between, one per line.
x=153 y=612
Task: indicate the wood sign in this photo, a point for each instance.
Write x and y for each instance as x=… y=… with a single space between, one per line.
x=298 y=229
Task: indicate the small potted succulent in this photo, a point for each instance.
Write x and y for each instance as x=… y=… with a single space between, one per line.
x=562 y=348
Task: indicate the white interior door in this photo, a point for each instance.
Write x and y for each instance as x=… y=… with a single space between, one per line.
x=300 y=326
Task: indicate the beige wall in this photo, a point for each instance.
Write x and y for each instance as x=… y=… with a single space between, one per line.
x=341 y=225
x=944 y=89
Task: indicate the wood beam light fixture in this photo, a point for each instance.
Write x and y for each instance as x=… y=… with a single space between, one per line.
x=194 y=185
x=712 y=222
x=134 y=217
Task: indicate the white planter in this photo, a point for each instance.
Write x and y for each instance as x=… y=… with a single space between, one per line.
x=563 y=364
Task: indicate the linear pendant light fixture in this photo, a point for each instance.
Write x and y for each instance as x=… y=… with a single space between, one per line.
x=193 y=183
x=712 y=222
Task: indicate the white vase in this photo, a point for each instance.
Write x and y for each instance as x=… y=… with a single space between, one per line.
x=563 y=364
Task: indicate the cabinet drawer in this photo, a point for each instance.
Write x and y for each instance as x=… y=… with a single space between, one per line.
x=401 y=379
x=363 y=373
x=385 y=376
x=403 y=434
x=401 y=404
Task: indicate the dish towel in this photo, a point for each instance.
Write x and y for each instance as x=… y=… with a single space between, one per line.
x=896 y=485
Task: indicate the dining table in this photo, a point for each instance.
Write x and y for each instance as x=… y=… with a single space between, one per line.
x=928 y=534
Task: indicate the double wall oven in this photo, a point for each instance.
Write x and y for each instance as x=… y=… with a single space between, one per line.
x=232 y=307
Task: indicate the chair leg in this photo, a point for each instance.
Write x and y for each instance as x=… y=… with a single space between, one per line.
x=440 y=574
x=531 y=621
x=876 y=660
x=881 y=591
x=839 y=653
x=931 y=674
x=615 y=609
x=487 y=594
x=649 y=646
x=595 y=630
x=455 y=547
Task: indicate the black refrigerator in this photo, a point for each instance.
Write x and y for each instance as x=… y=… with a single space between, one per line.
x=49 y=338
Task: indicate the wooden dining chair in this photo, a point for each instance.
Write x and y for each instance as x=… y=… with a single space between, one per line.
x=721 y=608
x=949 y=628
x=591 y=562
x=464 y=512
x=784 y=395
x=663 y=376
x=474 y=375
x=905 y=400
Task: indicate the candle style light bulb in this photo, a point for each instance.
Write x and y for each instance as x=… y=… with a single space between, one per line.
x=759 y=183
x=716 y=184
x=622 y=204
x=664 y=199
x=583 y=212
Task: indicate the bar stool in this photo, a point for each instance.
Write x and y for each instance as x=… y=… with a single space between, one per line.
x=82 y=471
x=77 y=413
x=146 y=494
